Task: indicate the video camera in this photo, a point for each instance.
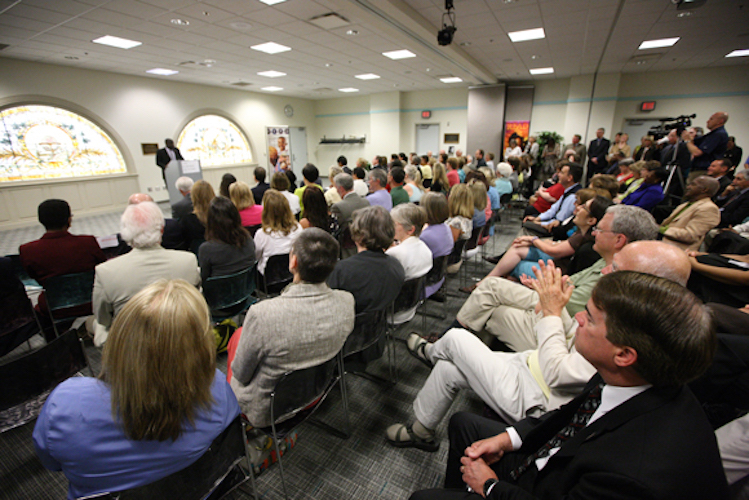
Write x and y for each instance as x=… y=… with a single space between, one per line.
x=680 y=123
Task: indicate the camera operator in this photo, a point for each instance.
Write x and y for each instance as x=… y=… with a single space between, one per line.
x=710 y=146
x=675 y=152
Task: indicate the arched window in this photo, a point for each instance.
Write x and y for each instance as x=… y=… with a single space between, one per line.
x=214 y=140
x=45 y=142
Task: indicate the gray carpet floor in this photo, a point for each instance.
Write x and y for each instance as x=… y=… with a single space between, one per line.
x=320 y=466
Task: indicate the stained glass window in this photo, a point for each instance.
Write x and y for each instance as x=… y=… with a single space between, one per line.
x=214 y=140
x=44 y=142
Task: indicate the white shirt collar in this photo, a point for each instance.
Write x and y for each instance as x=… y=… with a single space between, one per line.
x=613 y=396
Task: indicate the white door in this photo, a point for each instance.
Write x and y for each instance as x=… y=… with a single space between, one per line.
x=427 y=138
x=298 y=145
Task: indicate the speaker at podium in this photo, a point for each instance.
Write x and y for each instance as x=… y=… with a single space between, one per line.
x=176 y=169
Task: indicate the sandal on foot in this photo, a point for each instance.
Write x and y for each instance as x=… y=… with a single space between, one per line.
x=416 y=346
x=402 y=436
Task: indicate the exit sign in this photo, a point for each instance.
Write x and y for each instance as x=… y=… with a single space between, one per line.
x=426 y=114
x=647 y=106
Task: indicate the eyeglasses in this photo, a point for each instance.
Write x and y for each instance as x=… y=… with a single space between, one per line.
x=596 y=229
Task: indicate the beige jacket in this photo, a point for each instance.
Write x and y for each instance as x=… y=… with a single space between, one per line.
x=687 y=228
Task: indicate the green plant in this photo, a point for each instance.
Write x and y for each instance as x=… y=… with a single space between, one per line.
x=543 y=138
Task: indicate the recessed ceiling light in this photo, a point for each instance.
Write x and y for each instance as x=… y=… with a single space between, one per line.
x=399 y=54
x=739 y=53
x=180 y=22
x=240 y=25
x=656 y=44
x=524 y=35
x=271 y=74
x=272 y=89
x=465 y=44
x=451 y=79
x=683 y=14
x=272 y=2
x=352 y=32
x=535 y=56
x=271 y=47
x=367 y=76
x=328 y=65
x=542 y=71
x=348 y=89
x=162 y=71
x=641 y=62
x=115 y=41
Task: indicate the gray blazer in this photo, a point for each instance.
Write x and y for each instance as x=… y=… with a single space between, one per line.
x=182 y=207
x=304 y=327
x=345 y=208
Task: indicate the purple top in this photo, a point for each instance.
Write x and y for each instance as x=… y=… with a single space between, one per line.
x=77 y=434
x=382 y=198
x=439 y=239
x=646 y=196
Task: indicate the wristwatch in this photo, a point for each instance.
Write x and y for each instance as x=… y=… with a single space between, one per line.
x=488 y=485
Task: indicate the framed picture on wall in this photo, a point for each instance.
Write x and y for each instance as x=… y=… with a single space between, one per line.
x=452 y=138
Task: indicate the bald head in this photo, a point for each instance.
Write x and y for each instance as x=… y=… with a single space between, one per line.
x=653 y=257
x=138 y=198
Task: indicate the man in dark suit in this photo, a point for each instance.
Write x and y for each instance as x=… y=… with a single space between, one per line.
x=167 y=154
x=184 y=206
x=259 y=190
x=597 y=151
x=344 y=209
x=635 y=432
x=735 y=207
x=718 y=170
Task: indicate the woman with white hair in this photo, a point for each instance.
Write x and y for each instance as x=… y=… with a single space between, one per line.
x=502 y=183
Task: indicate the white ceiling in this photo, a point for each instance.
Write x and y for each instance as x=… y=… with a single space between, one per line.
x=582 y=37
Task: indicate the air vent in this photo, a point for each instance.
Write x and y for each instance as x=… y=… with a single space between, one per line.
x=330 y=21
x=241 y=84
x=323 y=89
x=187 y=63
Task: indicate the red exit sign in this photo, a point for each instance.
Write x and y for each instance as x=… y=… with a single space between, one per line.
x=647 y=106
x=426 y=114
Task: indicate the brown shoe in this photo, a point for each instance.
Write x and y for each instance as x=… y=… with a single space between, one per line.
x=468 y=289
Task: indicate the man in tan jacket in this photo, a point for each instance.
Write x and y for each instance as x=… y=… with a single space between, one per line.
x=688 y=224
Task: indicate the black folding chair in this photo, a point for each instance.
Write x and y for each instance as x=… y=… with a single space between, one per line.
x=19 y=321
x=370 y=328
x=434 y=276
x=230 y=295
x=277 y=274
x=253 y=229
x=67 y=291
x=28 y=380
x=410 y=296
x=470 y=251
x=214 y=475
x=296 y=397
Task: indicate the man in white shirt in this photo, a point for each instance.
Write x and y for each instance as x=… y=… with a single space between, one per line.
x=360 y=185
x=635 y=432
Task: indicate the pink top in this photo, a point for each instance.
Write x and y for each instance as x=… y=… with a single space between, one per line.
x=251 y=216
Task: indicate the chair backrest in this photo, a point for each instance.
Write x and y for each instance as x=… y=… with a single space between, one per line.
x=19 y=322
x=473 y=241
x=368 y=328
x=277 y=274
x=28 y=380
x=253 y=229
x=19 y=270
x=505 y=199
x=298 y=390
x=201 y=479
x=438 y=271
x=410 y=295
x=457 y=253
x=226 y=293
x=69 y=290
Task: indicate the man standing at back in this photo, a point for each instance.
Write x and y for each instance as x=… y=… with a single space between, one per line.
x=141 y=226
x=710 y=146
x=167 y=154
x=597 y=151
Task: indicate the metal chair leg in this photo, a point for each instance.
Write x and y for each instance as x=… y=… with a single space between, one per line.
x=249 y=463
x=280 y=462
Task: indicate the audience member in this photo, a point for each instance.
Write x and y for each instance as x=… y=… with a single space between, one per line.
x=477 y=186
x=453 y=176
x=549 y=157
x=688 y=224
x=413 y=254
x=303 y=327
x=650 y=192
x=344 y=209
x=569 y=178
x=440 y=182
x=58 y=252
x=279 y=229
x=413 y=184
x=184 y=206
x=718 y=170
x=710 y=146
x=251 y=213
x=193 y=225
x=597 y=151
x=343 y=163
x=226 y=181
x=720 y=278
x=503 y=184
x=261 y=186
x=331 y=194
x=735 y=201
x=396 y=179
x=577 y=147
x=378 y=195
x=157 y=405
x=316 y=212
x=733 y=153
x=647 y=337
x=460 y=205
x=117 y=280
x=280 y=182
x=228 y=248
x=436 y=234
x=360 y=185
x=310 y=175
x=645 y=151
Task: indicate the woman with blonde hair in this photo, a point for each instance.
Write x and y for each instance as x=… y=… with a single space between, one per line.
x=440 y=183
x=413 y=184
x=331 y=194
x=241 y=195
x=193 y=225
x=157 y=405
x=279 y=229
x=280 y=182
x=460 y=205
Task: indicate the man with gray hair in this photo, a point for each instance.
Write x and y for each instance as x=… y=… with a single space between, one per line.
x=344 y=209
x=117 y=280
x=507 y=310
x=378 y=195
x=184 y=206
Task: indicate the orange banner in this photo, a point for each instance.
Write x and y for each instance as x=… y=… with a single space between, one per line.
x=516 y=130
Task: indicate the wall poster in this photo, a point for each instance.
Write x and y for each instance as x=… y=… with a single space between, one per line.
x=279 y=148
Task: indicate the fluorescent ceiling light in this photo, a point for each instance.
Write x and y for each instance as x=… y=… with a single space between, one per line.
x=272 y=2
x=115 y=41
x=451 y=79
x=271 y=47
x=656 y=44
x=368 y=76
x=524 y=35
x=348 y=89
x=739 y=53
x=272 y=89
x=542 y=71
x=162 y=71
x=399 y=54
x=271 y=74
